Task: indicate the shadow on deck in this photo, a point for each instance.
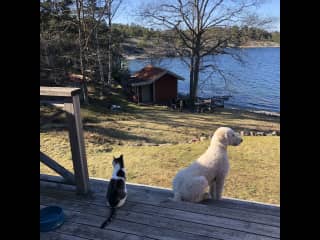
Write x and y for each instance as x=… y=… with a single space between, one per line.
x=149 y=214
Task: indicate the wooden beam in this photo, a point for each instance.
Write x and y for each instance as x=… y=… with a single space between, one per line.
x=77 y=145
x=55 y=103
x=50 y=118
x=59 y=91
x=56 y=182
x=68 y=176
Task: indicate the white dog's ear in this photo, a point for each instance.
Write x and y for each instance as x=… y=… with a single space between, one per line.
x=223 y=138
x=227 y=137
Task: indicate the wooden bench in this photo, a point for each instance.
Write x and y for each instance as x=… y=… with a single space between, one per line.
x=68 y=100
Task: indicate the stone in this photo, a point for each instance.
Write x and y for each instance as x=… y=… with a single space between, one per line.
x=202 y=138
x=261 y=134
x=275 y=133
x=150 y=144
x=244 y=133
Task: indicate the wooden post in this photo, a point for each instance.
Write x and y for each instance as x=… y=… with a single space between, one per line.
x=154 y=92
x=69 y=99
x=77 y=145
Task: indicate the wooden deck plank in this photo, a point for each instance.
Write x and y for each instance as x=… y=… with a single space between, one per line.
x=195 y=208
x=69 y=232
x=163 y=194
x=181 y=226
x=95 y=233
x=175 y=215
x=151 y=194
x=58 y=236
x=125 y=226
x=148 y=213
x=151 y=198
x=208 y=207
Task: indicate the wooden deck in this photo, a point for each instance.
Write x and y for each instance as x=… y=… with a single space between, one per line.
x=148 y=214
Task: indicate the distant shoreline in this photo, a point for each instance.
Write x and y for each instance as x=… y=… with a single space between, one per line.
x=262 y=112
x=145 y=56
x=254 y=46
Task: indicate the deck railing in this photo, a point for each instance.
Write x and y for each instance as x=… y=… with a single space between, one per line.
x=67 y=99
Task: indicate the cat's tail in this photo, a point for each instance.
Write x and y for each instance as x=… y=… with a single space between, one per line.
x=108 y=220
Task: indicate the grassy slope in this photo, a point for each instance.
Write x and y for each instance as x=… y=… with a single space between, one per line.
x=254 y=173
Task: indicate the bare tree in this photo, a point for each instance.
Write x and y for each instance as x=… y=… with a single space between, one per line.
x=108 y=11
x=199 y=28
x=88 y=32
x=112 y=8
x=81 y=37
x=94 y=33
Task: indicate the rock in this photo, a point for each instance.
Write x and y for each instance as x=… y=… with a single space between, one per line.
x=261 y=134
x=115 y=107
x=203 y=138
x=150 y=144
x=164 y=144
x=137 y=144
x=252 y=133
x=244 y=133
x=193 y=140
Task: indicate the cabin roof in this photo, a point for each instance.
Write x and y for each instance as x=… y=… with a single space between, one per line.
x=150 y=74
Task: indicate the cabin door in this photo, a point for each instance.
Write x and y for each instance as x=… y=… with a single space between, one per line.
x=146 y=93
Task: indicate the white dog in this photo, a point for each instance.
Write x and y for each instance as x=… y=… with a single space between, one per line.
x=208 y=171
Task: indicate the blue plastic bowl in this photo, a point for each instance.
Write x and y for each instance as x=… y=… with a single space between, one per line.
x=51 y=218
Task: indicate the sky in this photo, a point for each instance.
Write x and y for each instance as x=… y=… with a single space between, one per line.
x=271 y=9
x=126 y=13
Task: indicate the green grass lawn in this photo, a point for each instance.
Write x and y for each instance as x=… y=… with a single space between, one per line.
x=254 y=165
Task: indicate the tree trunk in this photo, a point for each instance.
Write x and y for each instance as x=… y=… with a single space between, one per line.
x=109 y=47
x=196 y=76
x=191 y=84
x=100 y=64
x=97 y=45
x=84 y=89
x=195 y=72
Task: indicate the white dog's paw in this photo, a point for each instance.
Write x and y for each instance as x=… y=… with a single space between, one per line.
x=206 y=196
x=176 y=197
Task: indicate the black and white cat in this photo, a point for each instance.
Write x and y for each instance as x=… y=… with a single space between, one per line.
x=117 y=191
